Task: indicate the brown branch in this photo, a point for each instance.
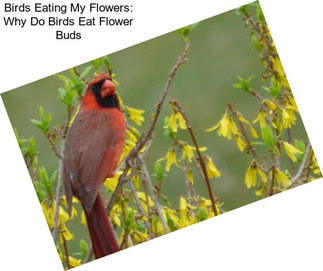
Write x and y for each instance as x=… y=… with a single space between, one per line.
x=53 y=146
x=189 y=185
x=302 y=167
x=271 y=188
x=60 y=174
x=58 y=191
x=66 y=252
x=201 y=160
x=146 y=177
x=141 y=210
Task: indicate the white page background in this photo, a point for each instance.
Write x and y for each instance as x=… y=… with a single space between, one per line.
x=283 y=232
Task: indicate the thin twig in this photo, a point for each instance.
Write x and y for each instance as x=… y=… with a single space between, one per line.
x=53 y=146
x=58 y=191
x=66 y=252
x=147 y=178
x=189 y=185
x=140 y=208
x=271 y=188
x=201 y=160
x=301 y=168
x=60 y=174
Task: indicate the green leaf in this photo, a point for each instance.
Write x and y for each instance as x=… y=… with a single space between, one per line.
x=202 y=214
x=159 y=173
x=299 y=144
x=258 y=143
x=86 y=71
x=46 y=181
x=244 y=83
x=44 y=122
x=274 y=88
x=255 y=42
x=268 y=136
x=185 y=31
x=107 y=63
x=40 y=190
x=84 y=248
x=260 y=14
x=141 y=226
x=21 y=141
x=170 y=223
x=37 y=123
x=242 y=10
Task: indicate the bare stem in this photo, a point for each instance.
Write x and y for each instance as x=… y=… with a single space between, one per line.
x=189 y=186
x=58 y=191
x=140 y=208
x=301 y=168
x=60 y=174
x=201 y=160
x=271 y=188
x=146 y=177
x=66 y=252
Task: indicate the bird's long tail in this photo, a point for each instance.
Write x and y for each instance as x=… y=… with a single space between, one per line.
x=103 y=238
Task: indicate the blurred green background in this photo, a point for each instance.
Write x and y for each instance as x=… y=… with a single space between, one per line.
x=221 y=49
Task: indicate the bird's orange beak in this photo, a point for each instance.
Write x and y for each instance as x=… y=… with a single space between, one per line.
x=107 y=88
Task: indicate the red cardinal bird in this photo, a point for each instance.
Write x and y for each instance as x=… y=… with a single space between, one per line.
x=93 y=148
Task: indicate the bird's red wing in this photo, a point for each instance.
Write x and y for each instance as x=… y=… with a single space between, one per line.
x=95 y=144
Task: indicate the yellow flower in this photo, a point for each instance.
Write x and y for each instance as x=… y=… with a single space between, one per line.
x=241 y=144
x=65 y=232
x=116 y=220
x=289 y=118
x=271 y=106
x=251 y=176
x=184 y=220
x=291 y=104
x=227 y=127
x=259 y=193
x=171 y=159
x=281 y=74
x=189 y=175
x=142 y=196
x=316 y=168
x=49 y=213
x=83 y=218
x=262 y=174
x=244 y=120
x=62 y=215
x=136 y=115
x=136 y=181
x=291 y=151
x=74 y=262
x=211 y=169
x=131 y=136
x=187 y=151
x=282 y=179
x=176 y=119
x=261 y=117
x=111 y=183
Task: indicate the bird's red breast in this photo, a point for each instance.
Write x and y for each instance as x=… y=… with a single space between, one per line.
x=95 y=142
